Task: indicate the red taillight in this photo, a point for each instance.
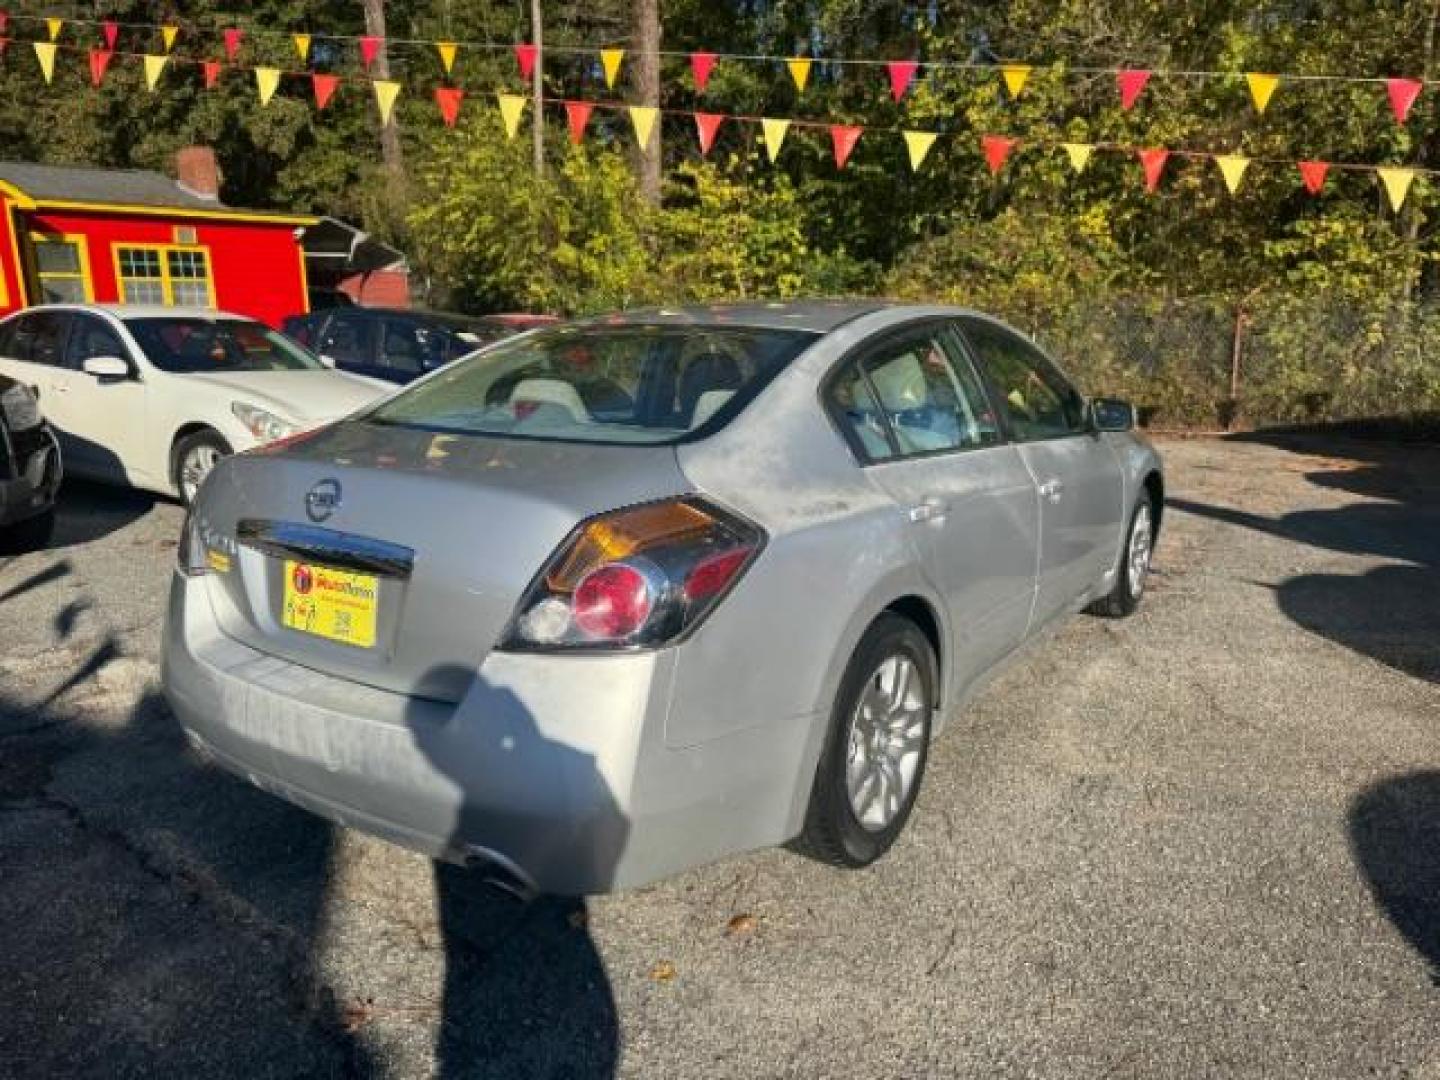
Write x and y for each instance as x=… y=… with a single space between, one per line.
x=612 y=602
x=643 y=576
x=714 y=573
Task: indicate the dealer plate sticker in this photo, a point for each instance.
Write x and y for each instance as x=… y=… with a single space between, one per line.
x=334 y=604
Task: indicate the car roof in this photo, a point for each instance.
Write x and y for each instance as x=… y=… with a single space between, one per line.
x=139 y=311
x=816 y=316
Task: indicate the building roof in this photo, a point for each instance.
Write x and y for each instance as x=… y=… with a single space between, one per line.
x=134 y=190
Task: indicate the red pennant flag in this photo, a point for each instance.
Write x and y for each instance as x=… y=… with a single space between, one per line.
x=902 y=73
x=1153 y=162
x=701 y=64
x=578 y=114
x=4 y=21
x=707 y=124
x=843 y=139
x=1403 y=93
x=99 y=61
x=449 y=99
x=111 y=30
x=232 y=44
x=1131 y=81
x=525 y=54
x=1313 y=173
x=997 y=148
x=369 y=49
x=212 y=72
x=324 y=87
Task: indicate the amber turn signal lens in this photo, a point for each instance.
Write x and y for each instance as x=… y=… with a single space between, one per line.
x=625 y=533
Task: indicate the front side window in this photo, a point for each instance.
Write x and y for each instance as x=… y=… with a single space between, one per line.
x=187 y=346
x=348 y=340
x=172 y=276
x=1038 y=401
x=610 y=384
x=90 y=337
x=62 y=269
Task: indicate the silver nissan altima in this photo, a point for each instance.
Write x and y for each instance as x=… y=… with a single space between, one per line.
x=616 y=598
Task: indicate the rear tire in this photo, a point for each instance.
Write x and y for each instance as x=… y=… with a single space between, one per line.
x=874 y=757
x=195 y=456
x=1133 y=567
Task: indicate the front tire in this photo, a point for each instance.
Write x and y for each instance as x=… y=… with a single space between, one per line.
x=195 y=456
x=1134 y=565
x=874 y=757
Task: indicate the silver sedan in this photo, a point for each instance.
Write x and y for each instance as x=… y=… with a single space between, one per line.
x=616 y=598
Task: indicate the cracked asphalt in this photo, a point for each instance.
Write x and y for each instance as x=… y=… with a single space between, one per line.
x=1202 y=841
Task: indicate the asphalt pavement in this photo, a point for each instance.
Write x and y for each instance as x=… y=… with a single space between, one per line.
x=1204 y=841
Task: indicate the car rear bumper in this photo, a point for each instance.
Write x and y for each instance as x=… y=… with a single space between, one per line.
x=35 y=484
x=553 y=768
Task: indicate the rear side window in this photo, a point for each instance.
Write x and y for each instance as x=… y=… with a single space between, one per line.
x=608 y=384
x=348 y=340
x=40 y=337
x=1037 y=400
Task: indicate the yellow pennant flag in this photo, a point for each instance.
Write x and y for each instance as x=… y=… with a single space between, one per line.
x=386 y=91
x=266 y=80
x=610 y=61
x=154 y=65
x=511 y=106
x=774 y=135
x=53 y=26
x=799 y=71
x=168 y=34
x=1232 y=168
x=302 y=46
x=447 y=50
x=45 y=53
x=1397 y=185
x=1262 y=88
x=643 y=117
x=1016 y=75
x=1079 y=153
x=918 y=143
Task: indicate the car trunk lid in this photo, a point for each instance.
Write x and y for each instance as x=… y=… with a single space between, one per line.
x=420 y=544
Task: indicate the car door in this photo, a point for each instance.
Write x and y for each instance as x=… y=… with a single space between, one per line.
x=112 y=411
x=917 y=417
x=1076 y=472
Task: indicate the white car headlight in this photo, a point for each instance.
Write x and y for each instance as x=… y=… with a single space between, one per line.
x=263 y=424
x=22 y=412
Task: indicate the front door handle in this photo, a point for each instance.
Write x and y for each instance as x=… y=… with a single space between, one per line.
x=1052 y=489
x=929 y=510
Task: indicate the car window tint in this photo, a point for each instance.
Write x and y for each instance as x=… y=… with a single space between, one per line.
x=859 y=413
x=406 y=346
x=1038 y=401
x=40 y=336
x=299 y=327
x=347 y=340
x=929 y=405
x=91 y=337
x=7 y=337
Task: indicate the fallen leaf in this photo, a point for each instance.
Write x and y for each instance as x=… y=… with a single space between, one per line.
x=741 y=926
x=663 y=971
x=356 y=1015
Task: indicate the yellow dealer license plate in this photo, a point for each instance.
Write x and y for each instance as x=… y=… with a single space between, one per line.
x=334 y=604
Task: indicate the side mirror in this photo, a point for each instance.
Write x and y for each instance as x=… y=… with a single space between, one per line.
x=106 y=368
x=1112 y=414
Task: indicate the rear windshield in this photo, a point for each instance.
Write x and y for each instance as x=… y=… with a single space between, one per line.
x=630 y=384
x=188 y=345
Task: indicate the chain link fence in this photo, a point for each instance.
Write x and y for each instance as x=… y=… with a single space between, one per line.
x=1213 y=363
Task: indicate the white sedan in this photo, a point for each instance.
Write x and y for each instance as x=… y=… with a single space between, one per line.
x=155 y=396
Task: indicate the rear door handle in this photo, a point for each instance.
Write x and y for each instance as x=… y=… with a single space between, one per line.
x=929 y=510
x=1052 y=489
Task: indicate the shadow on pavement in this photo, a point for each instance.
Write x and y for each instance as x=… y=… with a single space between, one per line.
x=1395 y=836
x=1390 y=613
x=163 y=918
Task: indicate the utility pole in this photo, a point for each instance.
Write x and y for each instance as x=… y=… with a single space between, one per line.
x=647 y=79
x=537 y=127
x=380 y=69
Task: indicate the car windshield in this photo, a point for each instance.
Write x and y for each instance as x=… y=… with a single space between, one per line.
x=188 y=345
x=609 y=384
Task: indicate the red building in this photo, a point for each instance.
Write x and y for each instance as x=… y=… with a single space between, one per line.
x=125 y=236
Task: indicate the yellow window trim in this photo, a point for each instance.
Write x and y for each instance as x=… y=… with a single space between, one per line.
x=165 y=281
x=82 y=247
